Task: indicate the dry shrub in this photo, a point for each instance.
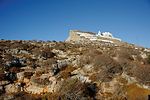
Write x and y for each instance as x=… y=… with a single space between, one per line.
x=31 y=47
x=40 y=72
x=26 y=96
x=36 y=51
x=8 y=57
x=127 y=53
x=1 y=67
x=106 y=67
x=49 y=62
x=47 y=54
x=73 y=89
x=4 y=44
x=135 y=92
x=107 y=73
x=2 y=76
x=101 y=60
x=51 y=96
x=14 y=69
x=142 y=73
x=61 y=46
x=89 y=57
x=20 y=45
x=43 y=52
x=148 y=59
x=40 y=82
x=66 y=72
x=28 y=74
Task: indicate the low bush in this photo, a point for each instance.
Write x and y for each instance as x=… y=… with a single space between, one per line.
x=66 y=73
x=10 y=76
x=43 y=52
x=47 y=54
x=89 y=57
x=49 y=62
x=142 y=73
x=73 y=89
x=26 y=96
x=14 y=64
x=40 y=81
x=148 y=59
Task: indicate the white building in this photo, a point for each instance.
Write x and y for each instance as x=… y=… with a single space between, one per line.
x=106 y=35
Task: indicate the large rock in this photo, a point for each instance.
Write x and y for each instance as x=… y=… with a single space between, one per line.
x=54 y=87
x=40 y=89
x=80 y=75
x=33 y=89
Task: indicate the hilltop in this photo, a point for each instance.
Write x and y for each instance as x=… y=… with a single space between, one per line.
x=84 y=67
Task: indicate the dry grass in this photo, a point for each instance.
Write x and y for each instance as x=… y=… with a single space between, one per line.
x=142 y=73
x=66 y=73
x=137 y=93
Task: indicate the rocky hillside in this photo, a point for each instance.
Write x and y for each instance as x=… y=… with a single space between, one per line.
x=38 y=70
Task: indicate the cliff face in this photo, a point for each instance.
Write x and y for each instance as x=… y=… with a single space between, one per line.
x=77 y=36
x=73 y=36
x=76 y=71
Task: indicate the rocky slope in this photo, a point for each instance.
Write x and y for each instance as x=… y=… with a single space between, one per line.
x=36 y=70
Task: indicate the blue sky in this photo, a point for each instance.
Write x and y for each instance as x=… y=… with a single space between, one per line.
x=52 y=19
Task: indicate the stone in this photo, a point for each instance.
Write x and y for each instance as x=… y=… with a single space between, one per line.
x=34 y=89
x=25 y=80
x=143 y=55
x=3 y=82
x=24 y=52
x=62 y=64
x=54 y=87
x=20 y=76
x=16 y=62
x=80 y=74
x=55 y=70
x=147 y=50
x=109 y=87
x=12 y=88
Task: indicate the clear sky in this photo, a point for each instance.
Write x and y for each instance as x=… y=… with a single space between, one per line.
x=52 y=19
